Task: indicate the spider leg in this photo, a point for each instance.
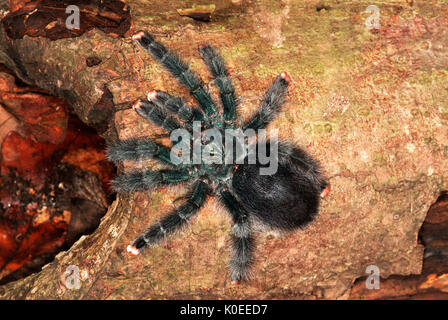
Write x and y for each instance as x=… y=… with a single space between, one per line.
x=270 y=104
x=219 y=71
x=150 y=111
x=137 y=149
x=148 y=180
x=241 y=236
x=178 y=218
x=177 y=106
x=179 y=69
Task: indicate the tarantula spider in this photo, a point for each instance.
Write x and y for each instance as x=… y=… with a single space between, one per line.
x=284 y=200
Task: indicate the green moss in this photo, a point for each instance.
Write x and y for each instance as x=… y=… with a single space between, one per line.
x=319 y=128
x=217 y=27
x=379 y=158
x=364 y=112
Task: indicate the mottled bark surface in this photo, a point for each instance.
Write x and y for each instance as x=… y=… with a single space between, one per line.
x=371 y=105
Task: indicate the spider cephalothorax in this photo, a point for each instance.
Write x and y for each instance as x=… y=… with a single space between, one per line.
x=286 y=198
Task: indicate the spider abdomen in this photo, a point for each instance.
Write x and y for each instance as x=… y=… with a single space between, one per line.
x=287 y=199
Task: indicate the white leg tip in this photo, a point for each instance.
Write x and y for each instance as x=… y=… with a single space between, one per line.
x=133 y=251
x=138 y=35
x=152 y=95
x=137 y=104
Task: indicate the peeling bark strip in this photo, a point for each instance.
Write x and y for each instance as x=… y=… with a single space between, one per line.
x=101 y=113
x=47 y=18
x=198 y=12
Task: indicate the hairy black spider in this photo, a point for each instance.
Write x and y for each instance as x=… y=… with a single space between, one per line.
x=284 y=200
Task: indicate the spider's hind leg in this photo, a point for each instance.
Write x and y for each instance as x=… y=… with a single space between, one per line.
x=271 y=103
x=136 y=149
x=178 y=218
x=148 y=180
x=243 y=243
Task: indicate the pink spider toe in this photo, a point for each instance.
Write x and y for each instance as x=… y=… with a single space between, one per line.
x=136 y=105
x=286 y=76
x=325 y=192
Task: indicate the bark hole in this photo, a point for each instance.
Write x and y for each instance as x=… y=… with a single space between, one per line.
x=54 y=178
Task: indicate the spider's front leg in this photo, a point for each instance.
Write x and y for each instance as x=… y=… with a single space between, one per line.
x=154 y=109
x=243 y=244
x=178 y=218
x=219 y=71
x=176 y=105
x=180 y=70
x=150 y=111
